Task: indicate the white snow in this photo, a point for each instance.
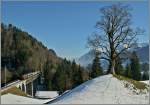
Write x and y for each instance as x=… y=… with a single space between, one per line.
x=15 y=99
x=102 y=90
x=146 y=82
x=46 y=94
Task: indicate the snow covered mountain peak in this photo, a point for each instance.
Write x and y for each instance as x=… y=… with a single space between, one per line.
x=142 y=52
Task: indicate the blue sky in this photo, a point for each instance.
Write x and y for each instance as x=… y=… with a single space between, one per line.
x=65 y=26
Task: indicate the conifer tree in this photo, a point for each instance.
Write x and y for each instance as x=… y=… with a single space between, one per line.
x=75 y=74
x=96 y=68
x=80 y=72
x=128 y=71
x=135 y=67
x=59 y=79
x=118 y=67
x=145 y=75
x=77 y=77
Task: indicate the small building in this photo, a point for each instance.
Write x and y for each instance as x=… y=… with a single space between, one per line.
x=46 y=94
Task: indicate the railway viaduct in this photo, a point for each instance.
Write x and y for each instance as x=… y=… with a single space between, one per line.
x=28 y=85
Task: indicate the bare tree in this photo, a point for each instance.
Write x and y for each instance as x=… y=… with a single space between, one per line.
x=116 y=34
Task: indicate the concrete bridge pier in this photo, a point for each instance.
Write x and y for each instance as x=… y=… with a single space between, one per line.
x=32 y=93
x=24 y=87
x=29 y=85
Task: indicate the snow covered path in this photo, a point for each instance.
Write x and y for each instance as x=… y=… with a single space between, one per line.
x=102 y=90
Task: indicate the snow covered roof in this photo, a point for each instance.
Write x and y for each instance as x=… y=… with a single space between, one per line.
x=46 y=94
x=15 y=99
x=102 y=90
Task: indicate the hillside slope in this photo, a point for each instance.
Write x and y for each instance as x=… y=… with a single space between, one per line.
x=103 y=90
x=21 y=53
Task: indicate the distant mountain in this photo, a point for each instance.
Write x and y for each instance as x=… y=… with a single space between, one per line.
x=142 y=44
x=142 y=51
x=143 y=54
x=86 y=59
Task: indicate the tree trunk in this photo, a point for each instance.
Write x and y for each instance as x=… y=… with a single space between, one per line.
x=113 y=67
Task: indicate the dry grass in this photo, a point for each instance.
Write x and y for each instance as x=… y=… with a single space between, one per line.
x=137 y=84
x=14 y=90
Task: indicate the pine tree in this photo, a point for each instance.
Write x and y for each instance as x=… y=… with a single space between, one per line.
x=68 y=75
x=80 y=72
x=75 y=74
x=145 y=68
x=135 y=67
x=78 y=77
x=145 y=75
x=59 y=79
x=118 y=67
x=48 y=66
x=96 y=68
x=128 y=71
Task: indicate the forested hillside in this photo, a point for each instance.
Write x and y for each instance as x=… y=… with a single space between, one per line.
x=21 y=53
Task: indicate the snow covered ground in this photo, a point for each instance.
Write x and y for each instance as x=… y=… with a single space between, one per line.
x=15 y=99
x=147 y=82
x=46 y=94
x=102 y=90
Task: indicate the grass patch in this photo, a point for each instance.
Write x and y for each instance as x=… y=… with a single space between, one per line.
x=137 y=84
x=14 y=90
